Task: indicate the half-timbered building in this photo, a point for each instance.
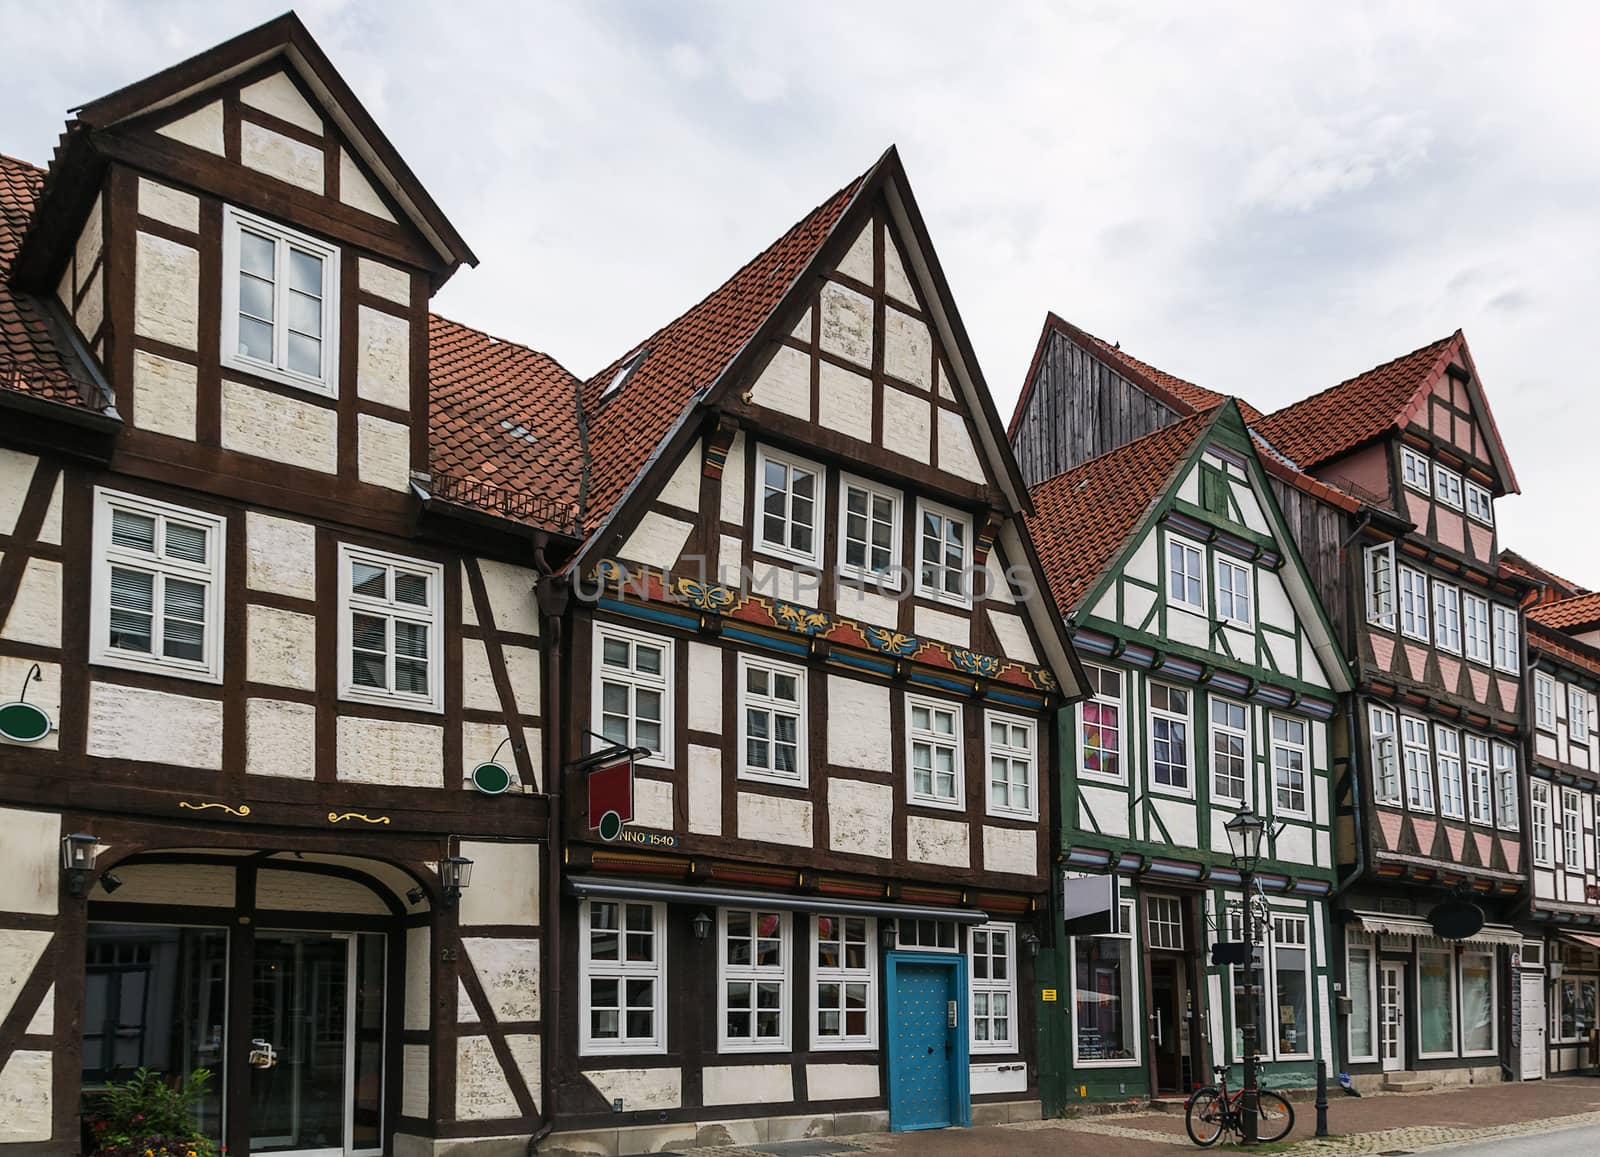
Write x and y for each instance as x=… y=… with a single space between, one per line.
x=809 y=606
x=263 y=631
x=1431 y=815
x=1558 y=997
x=1213 y=676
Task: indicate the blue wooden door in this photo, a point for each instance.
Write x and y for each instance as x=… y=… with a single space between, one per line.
x=923 y=1047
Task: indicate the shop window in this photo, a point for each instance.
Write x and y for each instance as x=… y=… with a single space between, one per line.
x=845 y=987
x=1105 y=998
x=1573 y=1014
x=1360 y=974
x=1436 y=1002
x=753 y=980
x=992 y=978
x=622 y=977
x=1165 y=921
x=1478 y=1007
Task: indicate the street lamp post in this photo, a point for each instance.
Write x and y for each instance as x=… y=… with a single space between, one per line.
x=1244 y=839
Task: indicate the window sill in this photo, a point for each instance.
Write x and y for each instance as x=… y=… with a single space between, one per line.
x=1416 y=638
x=851 y=1046
x=600 y=1050
x=1119 y=1063
x=1174 y=604
x=800 y=783
x=992 y=1049
x=194 y=674
x=1172 y=792
x=945 y=599
x=1111 y=780
x=945 y=805
x=313 y=386
x=864 y=579
x=1031 y=816
x=1241 y=624
x=396 y=702
x=786 y=555
x=731 y=1048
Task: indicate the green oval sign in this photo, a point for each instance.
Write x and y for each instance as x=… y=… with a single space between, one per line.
x=491 y=778
x=23 y=722
x=610 y=826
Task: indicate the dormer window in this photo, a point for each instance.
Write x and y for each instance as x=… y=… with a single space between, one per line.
x=1413 y=469
x=1480 y=504
x=279 y=303
x=624 y=372
x=1447 y=486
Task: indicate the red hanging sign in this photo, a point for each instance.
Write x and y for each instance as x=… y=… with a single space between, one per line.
x=611 y=798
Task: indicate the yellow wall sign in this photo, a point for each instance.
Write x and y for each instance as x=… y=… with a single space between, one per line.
x=1048 y=995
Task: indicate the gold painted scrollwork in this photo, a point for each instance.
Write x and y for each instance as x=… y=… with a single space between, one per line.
x=341 y=817
x=242 y=810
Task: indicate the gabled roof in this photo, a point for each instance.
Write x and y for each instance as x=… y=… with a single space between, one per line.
x=283 y=36
x=1181 y=396
x=34 y=358
x=503 y=427
x=1347 y=416
x=1555 y=586
x=1082 y=519
x=1568 y=614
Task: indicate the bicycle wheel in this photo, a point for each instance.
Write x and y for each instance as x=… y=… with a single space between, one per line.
x=1274 y=1118
x=1203 y=1118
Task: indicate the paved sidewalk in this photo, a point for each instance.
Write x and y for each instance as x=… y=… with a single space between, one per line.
x=1363 y=1127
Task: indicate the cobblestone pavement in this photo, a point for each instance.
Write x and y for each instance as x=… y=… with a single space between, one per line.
x=1365 y=1127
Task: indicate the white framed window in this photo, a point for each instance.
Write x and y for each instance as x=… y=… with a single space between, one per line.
x=1571 y=832
x=1105 y=994
x=1291 y=986
x=1290 y=764
x=1234 y=591
x=1230 y=750
x=1505 y=779
x=280 y=303
x=944 y=554
x=1413 y=603
x=1436 y=1002
x=633 y=682
x=1186 y=575
x=869 y=532
x=156 y=587
x=992 y=984
x=1480 y=504
x=1100 y=727
x=1506 y=648
x=926 y=935
x=1572 y=1013
x=1539 y=816
x=1447 y=486
x=1413 y=469
x=1446 y=617
x=1380 y=585
x=1577 y=714
x=1447 y=763
x=1385 y=755
x=1169 y=740
x=844 y=988
x=622 y=977
x=752 y=980
x=1480 y=1003
x=789 y=523
x=772 y=721
x=1164 y=918
x=1419 y=764
x=933 y=753
x=1475 y=616
x=391 y=623
x=1480 y=782
x=1012 y=759
x=1361 y=985
x=1544 y=702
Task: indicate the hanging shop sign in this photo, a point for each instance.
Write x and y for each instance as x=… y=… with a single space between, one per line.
x=491 y=778
x=611 y=798
x=24 y=722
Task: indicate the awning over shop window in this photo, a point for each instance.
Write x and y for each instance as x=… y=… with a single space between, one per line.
x=1587 y=939
x=600 y=887
x=1388 y=925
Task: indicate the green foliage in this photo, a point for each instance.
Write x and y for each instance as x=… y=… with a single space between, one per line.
x=150 y=1115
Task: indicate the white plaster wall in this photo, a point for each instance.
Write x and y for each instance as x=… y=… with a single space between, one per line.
x=657 y=541
x=280 y=738
x=154 y=726
x=1109 y=807
x=16 y=475
x=91 y=240
x=1178 y=817
x=775 y=819
x=280 y=555
x=861 y=818
x=279 y=428
x=522 y=669
x=414 y=1080
x=652 y=804
x=304 y=892
x=276 y=94
x=857 y=262
x=525 y=1049
x=866 y=605
x=281 y=648
x=383 y=452
x=511 y=600
x=26 y=1104
x=164 y=395
x=895 y=282
x=29 y=883
x=1014 y=850
x=1145 y=561
x=841 y=1082
x=858 y=724
x=50 y=528
x=730 y=560
x=92 y=309
x=419 y=962
x=383 y=357
x=1187 y=627
x=705 y=790
x=935 y=841
x=35 y=615
x=847 y=323
x=480 y=741
x=1012 y=633
x=942 y=625
x=276 y=155
x=844 y=401
x=166 y=297
x=781 y=582
x=356 y=191
x=682 y=490
x=44 y=692
x=508 y=970
x=44 y=1017
x=168 y=205
x=957 y=454
x=732 y=498
x=206 y=885
x=785 y=384
x=802 y=328
x=201 y=129
x=511 y=872
x=383 y=281
x=907 y=349
x=640 y=1090
x=390 y=752
x=705 y=687
x=20 y=949
x=477 y=681
x=907 y=424
x=747 y=1084
x=1276 y=609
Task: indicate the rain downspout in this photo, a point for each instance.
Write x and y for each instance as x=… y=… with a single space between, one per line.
x=1351 y=732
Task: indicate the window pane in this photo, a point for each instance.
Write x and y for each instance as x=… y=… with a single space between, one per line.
x=186 y=542
x=1477 y=1003
x=411 y=589
x=305 y=355
x=411 y=639
x=132 y=599
x=1438 y=1028
x=135 y=531
x=411 y=676
x=369 y=633
x=255 y=298
x=255 y=339
x=256 y=253
x=367 y=670
x=305 y=272
x=369 y=580
x=1360 y=985
x=1103 y=996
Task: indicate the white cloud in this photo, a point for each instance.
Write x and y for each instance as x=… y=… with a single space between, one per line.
x=1263 y=198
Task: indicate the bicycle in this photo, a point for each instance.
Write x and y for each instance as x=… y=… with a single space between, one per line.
x=1213 y=1111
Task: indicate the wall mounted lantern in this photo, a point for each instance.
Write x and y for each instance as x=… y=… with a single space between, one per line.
x=455 y=873
x=78 y=854
x=702 y=925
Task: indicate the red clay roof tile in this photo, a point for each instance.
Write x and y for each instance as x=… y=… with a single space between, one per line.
x=1556 y=587
x=1567 y=614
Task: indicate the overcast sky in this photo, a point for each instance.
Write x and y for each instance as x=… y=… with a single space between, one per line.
x=1262 y=198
